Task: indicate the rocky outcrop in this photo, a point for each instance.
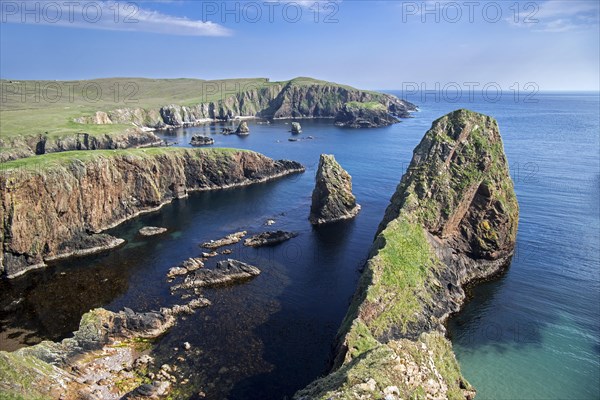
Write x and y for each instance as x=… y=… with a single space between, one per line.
x=364 y=115
x=453 y=220
x=227 y=271
x=297 y=98
x=269 y=238
x=226 y=241
x=199 y=140
x=242 y=129
x=151 y=231
x=52 y=204
x=332 y=198
x=27 y=146
x=296 y=128
x=67 y=369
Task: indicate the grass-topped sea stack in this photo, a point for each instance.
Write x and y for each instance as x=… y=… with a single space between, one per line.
x=332 y=198
x=452 y=220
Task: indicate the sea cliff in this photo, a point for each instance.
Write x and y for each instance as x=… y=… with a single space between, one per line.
x=452 y=221
x=295 y=99
x=56 y=205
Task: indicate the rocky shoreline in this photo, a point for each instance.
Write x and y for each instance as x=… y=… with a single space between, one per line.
x=51 y=218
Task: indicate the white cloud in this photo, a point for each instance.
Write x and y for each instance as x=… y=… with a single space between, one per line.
x=559 y=16
x=106 y=15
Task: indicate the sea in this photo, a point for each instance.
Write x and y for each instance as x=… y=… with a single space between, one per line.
x=533 y=333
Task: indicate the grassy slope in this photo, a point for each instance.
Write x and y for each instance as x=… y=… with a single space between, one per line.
x=30 y=116
x=61 y=158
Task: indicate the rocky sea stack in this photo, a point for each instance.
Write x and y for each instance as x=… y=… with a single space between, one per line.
x=296 y=128
x=332 y=198
x=453 y=220
x=243 y=129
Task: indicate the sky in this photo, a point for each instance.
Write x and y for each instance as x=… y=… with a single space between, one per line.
x=552 y=45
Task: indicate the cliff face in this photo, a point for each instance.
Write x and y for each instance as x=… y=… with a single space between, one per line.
x=364 y=115
x=332 y=198
x=286 y=100
x=452 y=220
x=55 y=205
x=36 y=145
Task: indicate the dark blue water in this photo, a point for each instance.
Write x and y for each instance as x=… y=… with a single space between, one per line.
x=531 y=334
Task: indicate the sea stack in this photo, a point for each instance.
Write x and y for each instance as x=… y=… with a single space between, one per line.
x=332 y=198
x=243 y=129
x=296 y=128
x=453 y=220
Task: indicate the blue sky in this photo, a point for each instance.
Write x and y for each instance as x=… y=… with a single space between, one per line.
x=368 y=44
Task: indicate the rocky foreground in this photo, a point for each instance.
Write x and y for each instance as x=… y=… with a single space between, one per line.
x=56 y=205
x=332 y=198
x=453 y=220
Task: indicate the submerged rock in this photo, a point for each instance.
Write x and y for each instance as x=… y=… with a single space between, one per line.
x=227 y=271
x=151 y=231
x=332 y=198
x=199 y=140
x=453 y=220
x=296 y=128
x=364 y=115
x=243 y=129
x=226 y=241
x=269 y=238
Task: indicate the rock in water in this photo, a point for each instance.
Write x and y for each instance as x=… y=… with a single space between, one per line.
x=199 y=140
x=151 y=231
x=296 y=128
x=269 y=238
x=364 y=115
x=227 y=271
x=332 y=198
x=243 y=129
x=453 y=220
x=226 y=241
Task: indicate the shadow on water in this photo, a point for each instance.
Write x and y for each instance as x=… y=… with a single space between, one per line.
x=297 y=339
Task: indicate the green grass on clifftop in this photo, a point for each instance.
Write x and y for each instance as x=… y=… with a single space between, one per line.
x=51 y=106
x=64 y=158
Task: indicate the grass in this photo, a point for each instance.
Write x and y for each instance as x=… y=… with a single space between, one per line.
x=68 y=157
x=404 y=265
x=51 y=106
x=369 y=105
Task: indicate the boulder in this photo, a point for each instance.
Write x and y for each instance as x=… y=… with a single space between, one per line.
x=226 y=241
x=151 y=231
x=227 y=271
x=199 y=140
x=332 y=198
x=269 y=238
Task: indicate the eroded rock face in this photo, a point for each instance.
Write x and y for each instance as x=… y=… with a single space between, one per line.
x=360 y=115
x=226 y=241
x=296 y=128
x=332 y=198
x=49 y=209
x=243 y=129
x=452 y=220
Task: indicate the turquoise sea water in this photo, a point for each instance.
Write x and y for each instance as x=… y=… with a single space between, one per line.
x=531 y=334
